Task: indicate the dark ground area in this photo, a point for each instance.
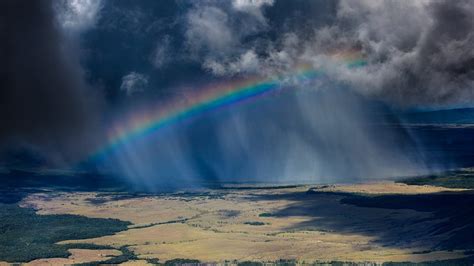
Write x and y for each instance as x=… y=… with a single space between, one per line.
x=463 y=178
x=448 y=222
x=455 y=212
x=25 y=236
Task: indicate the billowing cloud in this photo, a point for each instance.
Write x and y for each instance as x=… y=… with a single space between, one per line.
x=134 y=83
x=419 y=52
x=279 y=59
x=209 y=30
x=218 y=33
x=246 y=62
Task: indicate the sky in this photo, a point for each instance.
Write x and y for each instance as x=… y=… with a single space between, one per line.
x=77 y=74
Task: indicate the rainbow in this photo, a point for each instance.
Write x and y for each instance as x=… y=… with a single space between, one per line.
x=211 y=98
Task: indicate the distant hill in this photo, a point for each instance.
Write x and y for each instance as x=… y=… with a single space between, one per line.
x=450 y=116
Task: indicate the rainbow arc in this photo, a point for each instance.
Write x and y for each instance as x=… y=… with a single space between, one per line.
x=209 y=98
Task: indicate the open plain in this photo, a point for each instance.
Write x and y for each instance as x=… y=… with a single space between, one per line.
x=302 y=224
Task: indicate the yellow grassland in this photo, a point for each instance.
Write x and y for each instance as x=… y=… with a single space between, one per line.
x=216 y=229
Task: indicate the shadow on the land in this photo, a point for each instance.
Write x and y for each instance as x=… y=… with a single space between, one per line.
x=431 y=221
x=16 y=184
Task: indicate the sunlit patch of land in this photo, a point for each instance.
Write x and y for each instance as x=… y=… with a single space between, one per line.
x=303 y=224
x=381 y=188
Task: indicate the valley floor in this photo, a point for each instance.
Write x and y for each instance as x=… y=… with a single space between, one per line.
x=303 y=224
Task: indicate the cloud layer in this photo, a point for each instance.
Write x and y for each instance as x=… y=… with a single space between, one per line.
x=419 y=52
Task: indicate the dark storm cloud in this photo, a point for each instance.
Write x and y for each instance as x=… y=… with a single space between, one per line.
x=420 y=52
x=446 y=54
x=43 y=99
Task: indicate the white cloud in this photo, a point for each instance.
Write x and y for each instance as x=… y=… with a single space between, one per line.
x=252 y=6
x=208 y=30
x=247 y=62
x=133 y=83
x=216 y=32
x=78 y=15
x=243 y=4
